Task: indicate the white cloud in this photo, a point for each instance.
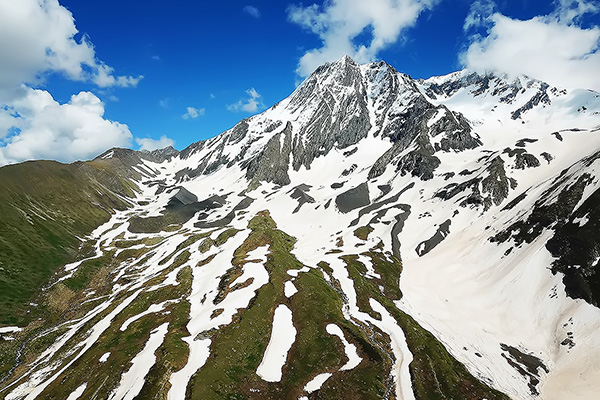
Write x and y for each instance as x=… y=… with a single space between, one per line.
x=251 y=105
x=553 y=48
x=151 y=144
x=570 y=11
x=193 y=113
x=165 y=103
x=35 y=126
x=105 y=78
x=252 y=11
x=339 y=22
x=479 y=14
x=38 y=36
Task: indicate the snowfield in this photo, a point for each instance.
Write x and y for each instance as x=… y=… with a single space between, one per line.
x=495 y=305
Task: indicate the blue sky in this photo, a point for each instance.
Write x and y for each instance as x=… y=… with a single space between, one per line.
x=83 y=76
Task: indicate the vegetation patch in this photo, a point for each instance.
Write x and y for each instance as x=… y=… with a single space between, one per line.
x=45 y=207
x=363 y=232
x=123 y=346
x=434 y=372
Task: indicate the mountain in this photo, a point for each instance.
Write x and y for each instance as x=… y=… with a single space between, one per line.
x=371 y=236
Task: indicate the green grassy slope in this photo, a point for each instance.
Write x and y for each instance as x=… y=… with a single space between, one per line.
x=44 y=207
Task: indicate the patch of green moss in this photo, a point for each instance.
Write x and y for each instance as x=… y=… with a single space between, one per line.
x=84 y=272
x=225 y=236
x=363 y=232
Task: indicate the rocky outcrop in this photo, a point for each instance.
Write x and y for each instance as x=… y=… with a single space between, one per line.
x=491 y=187
x=354 y=198
x=335 y=99
x=540 y=97
x=272 y=164
x=523 y=159
x=160 y=155
x=575 y=244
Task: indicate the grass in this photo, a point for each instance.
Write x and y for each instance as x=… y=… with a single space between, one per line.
x=363 y=232
x=45 y=206
x=82 y=276
x=123 y=346
x=237 y=349
x=434 y=372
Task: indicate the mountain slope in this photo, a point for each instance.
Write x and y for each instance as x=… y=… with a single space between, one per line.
x=370 y=236
x=45 y=206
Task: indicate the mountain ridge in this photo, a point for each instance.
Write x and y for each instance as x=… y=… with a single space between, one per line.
x=437 y=223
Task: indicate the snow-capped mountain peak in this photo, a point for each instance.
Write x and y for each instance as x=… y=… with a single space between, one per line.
x=370 y=236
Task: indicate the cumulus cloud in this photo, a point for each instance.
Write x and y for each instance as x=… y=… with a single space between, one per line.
x=553 y=48
x=339 y=22
x=251 y=105
x=38 y=37
x=35 y=126
x=152 y=144
x=193 y=113
x=252 y=11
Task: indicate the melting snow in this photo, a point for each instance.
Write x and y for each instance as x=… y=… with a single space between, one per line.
x=316 y=382
x=350 y=349
x=289 y=289
x=77 y=393
x=283 y=335
x=154 y=308
x=133 y=380
x=10 y=329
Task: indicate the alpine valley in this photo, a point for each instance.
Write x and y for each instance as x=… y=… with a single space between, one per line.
x=371 y=236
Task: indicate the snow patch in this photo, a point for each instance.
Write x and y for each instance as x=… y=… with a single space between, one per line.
x=283 y=335
x=77 y=393
x=289 y=289
x=133 y=380
x=350 y=349
x=316 y=382
x=154 y=308
x=10 y=329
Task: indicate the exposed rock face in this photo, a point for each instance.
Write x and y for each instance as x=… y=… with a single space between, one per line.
x=523 y=159
x=160 y=155
x=272 y=164
x=336 y=108
x=498 y=86
x=496 y=183
x=575 y=243
x=491 y=187
x=300 y=193
x=354 y=198
x=429 y=244
x=427 y=235
x=540 y=97
x=335 y=96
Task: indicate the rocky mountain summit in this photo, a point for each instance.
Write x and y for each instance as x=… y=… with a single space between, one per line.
x=371 y=236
